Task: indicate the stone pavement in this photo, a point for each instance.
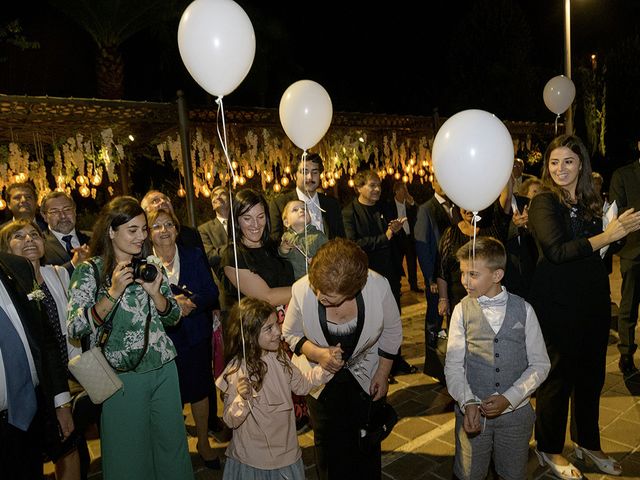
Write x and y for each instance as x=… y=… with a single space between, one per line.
x=421 y=445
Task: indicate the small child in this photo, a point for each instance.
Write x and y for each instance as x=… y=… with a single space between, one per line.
x=257 y=396
x=496 y=358
x=295 y=242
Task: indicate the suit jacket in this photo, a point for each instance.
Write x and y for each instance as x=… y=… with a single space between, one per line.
x=625 y=190
x=17 y=276
x=196 y=276
x=189 y=237
x=331 y=217
x=214 y=238
x=56 y=254
x=431 y=222
x=384 y=257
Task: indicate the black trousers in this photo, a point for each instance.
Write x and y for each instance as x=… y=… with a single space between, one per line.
x=337 y=416
x=628 y=312
x=408 y=251
x=21 y=452
x=577 y=374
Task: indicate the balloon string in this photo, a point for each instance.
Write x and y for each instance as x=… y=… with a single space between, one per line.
x=223 y=140
x=556 y=123
x=473 y=245
x=306 y=211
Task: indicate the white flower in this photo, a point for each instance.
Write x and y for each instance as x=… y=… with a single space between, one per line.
x=155 y=261
x=36 y=294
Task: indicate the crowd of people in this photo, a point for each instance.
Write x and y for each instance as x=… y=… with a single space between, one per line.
x=307 y=295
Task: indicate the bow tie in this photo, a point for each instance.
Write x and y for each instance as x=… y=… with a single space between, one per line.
x=499 y=300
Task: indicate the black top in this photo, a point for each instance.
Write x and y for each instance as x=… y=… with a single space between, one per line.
x=263 y=261
x=51 y=309
x=570 y=287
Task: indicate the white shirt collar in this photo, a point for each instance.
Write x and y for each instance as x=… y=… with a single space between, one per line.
x=440 y=198
x=59 y=235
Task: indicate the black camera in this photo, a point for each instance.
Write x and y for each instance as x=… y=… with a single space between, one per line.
x=144 y=270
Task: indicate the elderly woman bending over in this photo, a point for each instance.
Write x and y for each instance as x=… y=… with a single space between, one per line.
x=343 y=316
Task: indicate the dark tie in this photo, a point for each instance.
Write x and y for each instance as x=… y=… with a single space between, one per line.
x=21 y=395
x=67 y=244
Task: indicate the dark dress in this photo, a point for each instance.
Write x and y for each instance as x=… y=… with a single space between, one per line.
x=192 y=334
x=494 y=223
x=570 y=294
x=263 y=261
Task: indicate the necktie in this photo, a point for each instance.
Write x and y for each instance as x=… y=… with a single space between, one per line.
x=67 y=244
x=224 y=224
x=21 y=394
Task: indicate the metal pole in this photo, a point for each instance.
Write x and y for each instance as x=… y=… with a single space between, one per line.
x=568 y=116
x=183 y=119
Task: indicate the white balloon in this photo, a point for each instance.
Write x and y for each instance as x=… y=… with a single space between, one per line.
x=305 y=113
x=473 y=158
x=558 y=94
x=217 y=44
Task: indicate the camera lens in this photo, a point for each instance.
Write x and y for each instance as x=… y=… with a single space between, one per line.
x=148 y=273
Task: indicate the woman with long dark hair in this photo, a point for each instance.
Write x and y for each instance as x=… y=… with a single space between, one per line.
x=570 y=294
x=142 y=429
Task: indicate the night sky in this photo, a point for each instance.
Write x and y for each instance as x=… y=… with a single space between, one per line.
x=402 y=57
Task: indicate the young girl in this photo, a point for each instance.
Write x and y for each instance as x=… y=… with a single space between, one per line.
x=257 y=396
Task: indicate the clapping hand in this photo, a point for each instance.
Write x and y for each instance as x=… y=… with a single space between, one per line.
x=627 y=222
x=521 y=219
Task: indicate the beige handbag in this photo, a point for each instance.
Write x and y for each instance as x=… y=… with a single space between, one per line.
x=96 y=375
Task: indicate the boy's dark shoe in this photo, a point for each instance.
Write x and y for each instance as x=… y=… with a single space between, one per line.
x=627 y=366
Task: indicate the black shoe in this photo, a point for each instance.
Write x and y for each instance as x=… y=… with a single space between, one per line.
x=404 y=368
x=392 y=380
x=627 y=366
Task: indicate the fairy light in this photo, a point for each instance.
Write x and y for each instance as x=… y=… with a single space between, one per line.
x=405 y=179
x=249 y=173
x=397 y=176
x=284 y=181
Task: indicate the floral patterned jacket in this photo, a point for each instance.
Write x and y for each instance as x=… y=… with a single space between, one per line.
x=126 y=342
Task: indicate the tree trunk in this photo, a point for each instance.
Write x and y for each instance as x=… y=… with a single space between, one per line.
x=110 y=73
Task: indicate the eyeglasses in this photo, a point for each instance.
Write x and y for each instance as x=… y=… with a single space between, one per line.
x=157 y=227
x=23 y=235
x=57 y=212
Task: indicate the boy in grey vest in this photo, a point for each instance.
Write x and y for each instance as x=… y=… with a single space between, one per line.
x=496 y=358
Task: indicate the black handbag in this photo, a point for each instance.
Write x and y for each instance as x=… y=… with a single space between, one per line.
x=380 y=420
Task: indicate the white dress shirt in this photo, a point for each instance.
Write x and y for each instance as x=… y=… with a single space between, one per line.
x=313 y=207
x=402 y=212
x=223 y=221
x=75 y=243
x=7 y=306
x=518 y=394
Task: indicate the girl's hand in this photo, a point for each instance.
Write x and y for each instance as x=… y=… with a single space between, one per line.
x=330 y=358
x=244 y=387
x=121 y=276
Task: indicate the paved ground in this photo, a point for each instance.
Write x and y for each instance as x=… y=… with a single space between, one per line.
x=421 y=445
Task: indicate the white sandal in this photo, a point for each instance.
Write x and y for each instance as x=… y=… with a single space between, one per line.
x=607 y=465
x=563 y=472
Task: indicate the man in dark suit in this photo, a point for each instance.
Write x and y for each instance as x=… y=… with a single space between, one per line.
x=64 y=245
x=365 y=224
x=625 y=191
x=214 y=232
x=402 y=205
x=433 y=218
x=156 y=200
x=33 y=380
x=324 y=210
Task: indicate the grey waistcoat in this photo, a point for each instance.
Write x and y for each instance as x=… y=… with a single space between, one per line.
x=493 y=362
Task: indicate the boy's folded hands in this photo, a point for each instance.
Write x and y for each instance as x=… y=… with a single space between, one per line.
x=494 y=405
x=472 y=417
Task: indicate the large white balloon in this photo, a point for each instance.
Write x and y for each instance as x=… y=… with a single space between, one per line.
x=305 y=113
x=473 y=158
x=217 y=44
x=558 y=94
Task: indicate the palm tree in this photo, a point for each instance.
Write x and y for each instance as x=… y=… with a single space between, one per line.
x=110 y=23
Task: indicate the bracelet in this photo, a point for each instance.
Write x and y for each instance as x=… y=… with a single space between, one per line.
x=109 y=297
x=443 y=300
x=65 y=405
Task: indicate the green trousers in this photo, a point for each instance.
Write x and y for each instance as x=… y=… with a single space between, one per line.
x=143 y=436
